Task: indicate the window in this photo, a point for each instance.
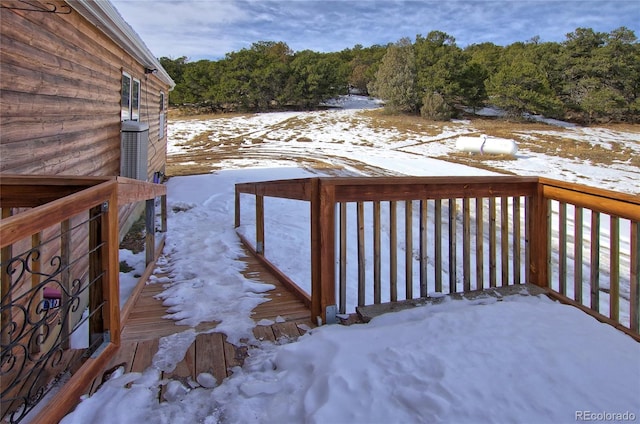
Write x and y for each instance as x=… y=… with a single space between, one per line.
x=135 y=100
x=125 y=101
x=162 y=117
x=130 y=98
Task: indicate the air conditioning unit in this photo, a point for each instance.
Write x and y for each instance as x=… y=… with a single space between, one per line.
x=134 y=147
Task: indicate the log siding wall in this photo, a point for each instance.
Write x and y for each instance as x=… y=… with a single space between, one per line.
x=60 y=91
x=60 y=82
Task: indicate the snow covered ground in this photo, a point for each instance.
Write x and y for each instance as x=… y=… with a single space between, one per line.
x=346 y=139
x=522 y=359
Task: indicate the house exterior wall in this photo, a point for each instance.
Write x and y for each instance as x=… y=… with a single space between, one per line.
x=60 y=106
x=60 y=91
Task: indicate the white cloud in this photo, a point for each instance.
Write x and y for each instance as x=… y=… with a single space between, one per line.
x=209 y=29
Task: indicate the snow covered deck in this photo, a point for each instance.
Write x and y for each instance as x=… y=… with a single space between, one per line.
x=210 y=354
x=164 y=357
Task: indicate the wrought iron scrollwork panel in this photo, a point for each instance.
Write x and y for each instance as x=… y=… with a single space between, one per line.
x=35 y=344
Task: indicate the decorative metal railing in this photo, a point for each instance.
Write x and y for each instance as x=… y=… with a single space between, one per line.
x=60 y=312
x=42 y=314
x=452 y=234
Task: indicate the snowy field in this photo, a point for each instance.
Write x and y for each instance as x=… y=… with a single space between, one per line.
x=348 y=140
x=523 y=359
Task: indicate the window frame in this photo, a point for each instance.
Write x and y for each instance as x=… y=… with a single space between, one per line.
x=161 y=116
x=129 y=105
x=135 y=101
x=125 y=98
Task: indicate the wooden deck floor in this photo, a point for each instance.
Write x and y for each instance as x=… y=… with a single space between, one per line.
x=210 y=353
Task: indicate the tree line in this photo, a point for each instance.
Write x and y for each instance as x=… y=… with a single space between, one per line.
x=589 y=77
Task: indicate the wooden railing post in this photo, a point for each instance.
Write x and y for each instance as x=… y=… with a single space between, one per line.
x=343 y=257
x=423 y=247
x=504 y=241
x=110 y=256
x=453 y=277
x=150 y=236
x=408 y=258
x=577 y=253
x=104 y=296
x=479 y=243
x=316 y=274
x=163 y=213
x=634 y=323
x=260 y=224
x=492 y=242
x=539 y=225
x=614 y=268
x=322 y=250
x=594 y=275
x=437 y=231
x=237 y=208
x=393 y=252
x=516 y=240
x=361 y=254
x=466 y=245
x=377 y=263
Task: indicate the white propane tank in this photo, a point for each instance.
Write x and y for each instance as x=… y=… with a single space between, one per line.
x=487 y=145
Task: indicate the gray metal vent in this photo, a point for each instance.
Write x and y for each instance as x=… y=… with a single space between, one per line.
x=134 y=146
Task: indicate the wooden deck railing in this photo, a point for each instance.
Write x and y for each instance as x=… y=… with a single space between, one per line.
x=592 y=255
x=450 y=234
x=60 y=311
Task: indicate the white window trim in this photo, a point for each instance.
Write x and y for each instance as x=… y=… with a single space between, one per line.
x=124 y=116
x=135 y=114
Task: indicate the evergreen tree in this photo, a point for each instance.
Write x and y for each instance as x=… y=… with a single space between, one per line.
x=197 y=80
x=521 y=87
x=591 y=76
x=623 y=77
x=472 y=90
x=175 y=68
x=487 y=55
x=435 y=108
x=602 y=73
x=440 y=65
x=395 y=80
x=255 y=77
x=314 y=77
x=363 y=65
x=583 y=73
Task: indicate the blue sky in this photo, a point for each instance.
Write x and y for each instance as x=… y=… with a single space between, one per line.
x=207 y=29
